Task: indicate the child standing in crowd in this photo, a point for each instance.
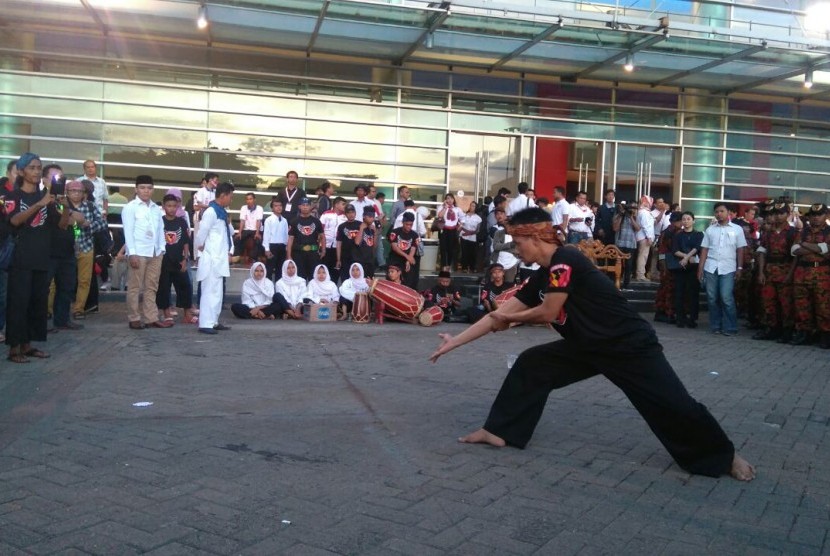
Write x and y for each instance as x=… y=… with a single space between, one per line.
x=214 y=242
x=275 y=240
x=366 y=241
x=290 y=290
x=174 y=264
x=258 y=299
x=345 y=244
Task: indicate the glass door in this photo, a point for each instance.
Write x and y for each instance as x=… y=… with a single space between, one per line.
x=645 y=170
x=482 y=164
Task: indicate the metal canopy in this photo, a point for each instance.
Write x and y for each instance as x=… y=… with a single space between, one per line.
x=564 y=39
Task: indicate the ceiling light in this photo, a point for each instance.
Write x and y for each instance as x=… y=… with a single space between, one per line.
x=808 y=79
x=202 y=20
x=629 y=62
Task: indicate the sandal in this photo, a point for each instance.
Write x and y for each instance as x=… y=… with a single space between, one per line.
x=192 y=320
x=17 y=358
x=34 y=352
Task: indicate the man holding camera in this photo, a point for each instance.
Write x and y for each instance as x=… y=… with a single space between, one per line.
x=625 y=226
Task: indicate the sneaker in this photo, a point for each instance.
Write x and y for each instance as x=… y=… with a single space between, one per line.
x=93 y=309
x=208 y=331
x=105 y=287
x=725 y=333
x=221 y=327
x=715 y=331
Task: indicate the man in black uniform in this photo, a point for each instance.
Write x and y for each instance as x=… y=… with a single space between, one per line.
x=569 y=291
x=403 y=242
x=346 y=247
x=306 y=241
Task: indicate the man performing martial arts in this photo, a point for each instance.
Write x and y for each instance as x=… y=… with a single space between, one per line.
x=568 y=291
x=213 y=241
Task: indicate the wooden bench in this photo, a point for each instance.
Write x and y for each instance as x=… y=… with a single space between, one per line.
x=607 y=258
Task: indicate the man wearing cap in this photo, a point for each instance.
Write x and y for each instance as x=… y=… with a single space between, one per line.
x=403 y=242
x=306 y=241
x=568 y=291
x=776 y=266
x=291 y=196
x=811 y=288
x=145 y=246
x=344 y=244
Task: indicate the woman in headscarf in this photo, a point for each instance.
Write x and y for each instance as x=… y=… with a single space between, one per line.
x=291 y=289
x=258 y=299
x=320 y=288
x=354 y=284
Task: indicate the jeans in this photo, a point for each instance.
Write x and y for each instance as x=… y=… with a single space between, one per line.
x=723 y=313
x=65 y=274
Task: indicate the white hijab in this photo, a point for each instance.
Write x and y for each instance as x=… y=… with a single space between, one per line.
x=322 y=290
x=257 y=292
x=351 y=286
x=292 y=288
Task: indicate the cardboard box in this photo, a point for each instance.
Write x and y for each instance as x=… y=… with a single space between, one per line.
x=320 y=312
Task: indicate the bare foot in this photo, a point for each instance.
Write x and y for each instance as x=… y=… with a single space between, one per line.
x=742 y=469
x=481 y=436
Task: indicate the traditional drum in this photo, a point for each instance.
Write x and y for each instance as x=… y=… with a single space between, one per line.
x=431 y=315
x=507 y=294
x=360 y=308
x=397 y=299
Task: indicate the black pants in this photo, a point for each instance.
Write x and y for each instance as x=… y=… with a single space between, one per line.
x=26 y=306
x=448 y=243
x=92 y=296
x=273 y=266
x=283 y=303
x=330 y=260
x=469 y=249
x=686 y=294
x=180 y=281
x=684 y=426
x=409 y=278
x=244 y=312
x=65 y=273
x=628 y=264
x=345 y=266
x=306 y=261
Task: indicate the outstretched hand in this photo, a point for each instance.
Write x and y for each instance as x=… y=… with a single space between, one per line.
x=445 y=347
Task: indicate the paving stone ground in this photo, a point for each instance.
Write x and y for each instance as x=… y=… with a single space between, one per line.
x=300 y=438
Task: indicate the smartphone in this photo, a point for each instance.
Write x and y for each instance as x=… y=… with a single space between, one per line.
x=58 y=186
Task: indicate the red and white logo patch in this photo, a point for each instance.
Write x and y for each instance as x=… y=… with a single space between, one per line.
x=307 y=230
x=560 y=276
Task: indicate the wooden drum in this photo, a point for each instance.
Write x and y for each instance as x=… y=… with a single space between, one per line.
x=360 y=308
x=431 y=315
x=397 y=298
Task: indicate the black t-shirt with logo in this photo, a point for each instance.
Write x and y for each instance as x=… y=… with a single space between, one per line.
x=346 y=232
x=33 y=237
x=596 y=316
x=491 y=291
x=305 y=230
x=365 y=252
x=404 y=241
x=175 y=238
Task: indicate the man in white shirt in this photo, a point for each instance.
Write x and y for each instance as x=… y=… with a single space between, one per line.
x=522 y=201
x=418 y=225
x=215 y=243
x=722 y=250
x=201 y=199
x=145 y=246
x=361 y=201
x=660 y=212
x=331 y=220
x=250 y=224
x=644 y=236
x=275 y=240
x=580 y=219
x=100 y=192
x=559 y=214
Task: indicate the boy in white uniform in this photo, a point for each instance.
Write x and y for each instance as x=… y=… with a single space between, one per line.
x=213 y=241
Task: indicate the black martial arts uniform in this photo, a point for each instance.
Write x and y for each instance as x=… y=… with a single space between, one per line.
x=604 y=335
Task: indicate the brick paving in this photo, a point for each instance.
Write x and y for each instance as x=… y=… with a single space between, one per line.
x=298 y=438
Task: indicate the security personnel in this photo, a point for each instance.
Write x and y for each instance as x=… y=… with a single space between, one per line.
x=811 y=288
x=775 y=273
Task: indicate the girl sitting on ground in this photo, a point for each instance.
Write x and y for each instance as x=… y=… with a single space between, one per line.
x=290 y=290
x=321 y=289
x=258 y=299
x=393 y=274
x=356 y=283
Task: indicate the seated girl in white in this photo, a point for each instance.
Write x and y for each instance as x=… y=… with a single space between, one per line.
x=291 y=289
x=356 y=283
x=321 y=289
x=257 y=297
